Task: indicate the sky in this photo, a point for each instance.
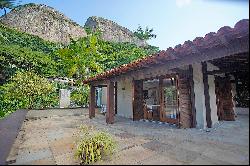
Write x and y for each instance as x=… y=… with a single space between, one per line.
x=173 y=21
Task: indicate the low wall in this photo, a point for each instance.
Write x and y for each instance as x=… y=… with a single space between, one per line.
x=9 y=129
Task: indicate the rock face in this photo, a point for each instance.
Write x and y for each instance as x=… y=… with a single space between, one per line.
x=111 y=31
x=43 y=21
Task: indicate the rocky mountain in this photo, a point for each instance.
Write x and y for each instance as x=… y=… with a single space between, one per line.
x=51 y=25
x=43 y=21
x=111 y=31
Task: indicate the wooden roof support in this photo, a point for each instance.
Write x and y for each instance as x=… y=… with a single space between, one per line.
x=115 y=97
x=206 y=93
x=192 y=96
x=110 y=103
x=92 y=102
x=161 y=99
x=137 y=94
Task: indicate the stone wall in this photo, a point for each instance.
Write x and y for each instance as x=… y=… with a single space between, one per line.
x=44 y=22
x=111 y=31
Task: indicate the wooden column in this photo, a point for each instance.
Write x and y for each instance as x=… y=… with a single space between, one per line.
x=206 y=93
x=137 y=99
x=192 y=96
x=161 y=99
x=92 y=102
x=185 y=110
x=115 y=97
x=178 y=100
x=110 y=103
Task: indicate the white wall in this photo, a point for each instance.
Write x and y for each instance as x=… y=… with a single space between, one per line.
x=124 y=98
x=199 y=96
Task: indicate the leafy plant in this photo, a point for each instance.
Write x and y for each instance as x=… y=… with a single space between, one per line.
x=21 y=51
x=80 y=95
x=144 y=34
x=79 y=59
x=94 y=145
x=11 y=36
x=90 y=55
x=14 y=58
x=26 y=90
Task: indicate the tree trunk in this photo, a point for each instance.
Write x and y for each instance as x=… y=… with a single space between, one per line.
x=4 y=11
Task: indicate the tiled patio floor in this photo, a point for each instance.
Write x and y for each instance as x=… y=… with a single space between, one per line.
x=51 y=140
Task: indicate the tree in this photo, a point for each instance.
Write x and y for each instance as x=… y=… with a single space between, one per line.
x=80 y=59
x=144 y=34
x=6 y=4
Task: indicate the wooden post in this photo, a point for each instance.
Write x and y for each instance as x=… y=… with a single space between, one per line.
x=110 y=103
x=137 y=94
x=206 y=93
x=178 y=100
x=92 y=102
x=115 y=97
x=161 y=99
x=192 y=95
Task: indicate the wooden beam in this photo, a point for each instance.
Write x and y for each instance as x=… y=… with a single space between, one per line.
x=110 y=103
x=228 y=70
x=92 y=102
x=206 y=93
x=192 y=96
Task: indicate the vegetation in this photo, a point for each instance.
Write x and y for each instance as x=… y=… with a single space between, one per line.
x=144 y=34
x=90 y=55
x=94 y=145
x=26 y=90
x=80 y=96
x=10 y=36
x=22 y=53
x=14 y=58
x=6 y=4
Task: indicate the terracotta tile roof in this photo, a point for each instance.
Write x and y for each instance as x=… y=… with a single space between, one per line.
x=212 y=39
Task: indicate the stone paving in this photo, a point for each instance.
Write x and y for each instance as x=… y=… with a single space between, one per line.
x=51 y=140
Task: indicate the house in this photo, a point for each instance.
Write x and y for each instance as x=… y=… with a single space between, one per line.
x=191 y=85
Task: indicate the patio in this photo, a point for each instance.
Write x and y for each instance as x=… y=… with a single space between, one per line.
x=48 y=137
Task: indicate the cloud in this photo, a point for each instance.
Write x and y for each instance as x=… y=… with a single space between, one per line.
x=181 y=3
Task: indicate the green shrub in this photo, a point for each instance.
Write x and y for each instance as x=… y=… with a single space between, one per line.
x=94 y=145
x=80 y=96
x=26 y=90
